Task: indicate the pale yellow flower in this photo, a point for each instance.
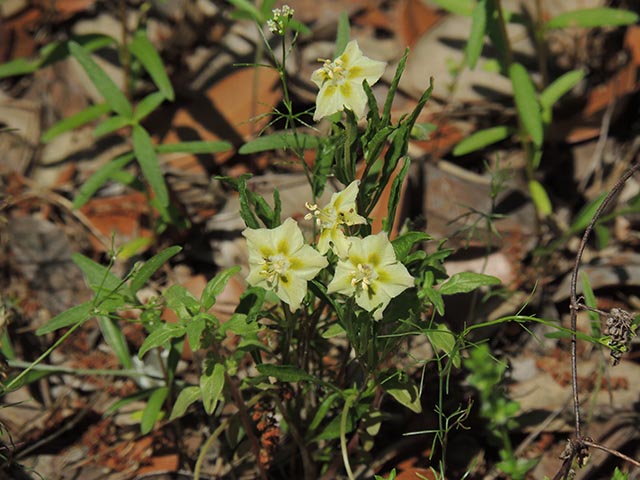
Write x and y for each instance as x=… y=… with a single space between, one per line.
x=280 y=261
x=371 y=272
x=340 y=82
x=341 y=210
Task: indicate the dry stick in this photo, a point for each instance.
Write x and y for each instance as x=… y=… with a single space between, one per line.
x=575 y=306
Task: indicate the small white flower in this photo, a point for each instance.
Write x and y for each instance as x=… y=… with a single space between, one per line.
x=371 y=273
x=341 y=210
x=280 y=261
x=280 y=19
x=340 y=82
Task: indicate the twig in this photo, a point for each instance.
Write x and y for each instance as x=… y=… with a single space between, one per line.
x=577 y=448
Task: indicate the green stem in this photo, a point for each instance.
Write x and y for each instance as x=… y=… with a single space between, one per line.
x=343 y=437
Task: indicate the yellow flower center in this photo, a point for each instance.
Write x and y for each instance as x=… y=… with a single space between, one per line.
x=333 y=71
x=363 y=277
x=275 y=269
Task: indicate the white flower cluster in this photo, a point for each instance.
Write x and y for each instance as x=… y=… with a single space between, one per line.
x=280 y=20
x=367 y=268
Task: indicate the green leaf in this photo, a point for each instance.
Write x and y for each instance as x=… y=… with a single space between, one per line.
x=160 y=337
x=148 y=104
x=403 y=244
x=74 y=315
x=400 y=386
x=482 y=139
x=248 y=10
x=143 y=274
x=465 y=282
x=194 y=147
x=459 y=7
x=153 y=410
x=526 y=103
x=95 y=181
x=143 y=50
x=583 y=218
x=114 y=337
x=593 y=17
x=18 y=66
x=149 y=163
x=111 y=124
x=560 y=87
x=194 y=329
x=476 y=36
x=99 y=277
x=444 y=340
x=107 y=88
x=343 y=34
x=186 y=398
x=590 y=301
x=285 y=373
x=182 y=302
x=278 y=141
x=540 y=198
x=394 y=195
x=322 y=411
x=211 y=385
x=74 y=121
x=216 y=286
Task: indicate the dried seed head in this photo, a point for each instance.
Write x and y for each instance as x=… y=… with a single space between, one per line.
x=620 y=329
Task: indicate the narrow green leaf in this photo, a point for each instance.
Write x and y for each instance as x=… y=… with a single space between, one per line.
x=482 y=139
x=560 y=87
x=18 y=66
x=95 y=181
x=114 y=337
x=583 y=218
x=590 y=301
x=74 y=315
x=74 y=121
x=593 y=17
x=186 y=398
x=540 y=198
x=211 y=385
x=526 y=103
x=194 y=147
x=110 y=125
x=153 y=410
x=278 y=141
x=249 y=10
x=465 y=282
x=459 y=7
x=149 y=163
x=216 y=286
x=150 y=267
x=147 y=55
x=99 y=277
x=285 y=373
x=322 y=411
x=394 y=195
x=107 y=88
x=343 y=34
x=160 y=337
x=148 y=104
x=476 y=36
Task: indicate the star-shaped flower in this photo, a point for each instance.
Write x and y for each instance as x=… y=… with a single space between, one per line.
x=340 y=82
x=372 y=273
x=280 y=261
x=341 y=210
